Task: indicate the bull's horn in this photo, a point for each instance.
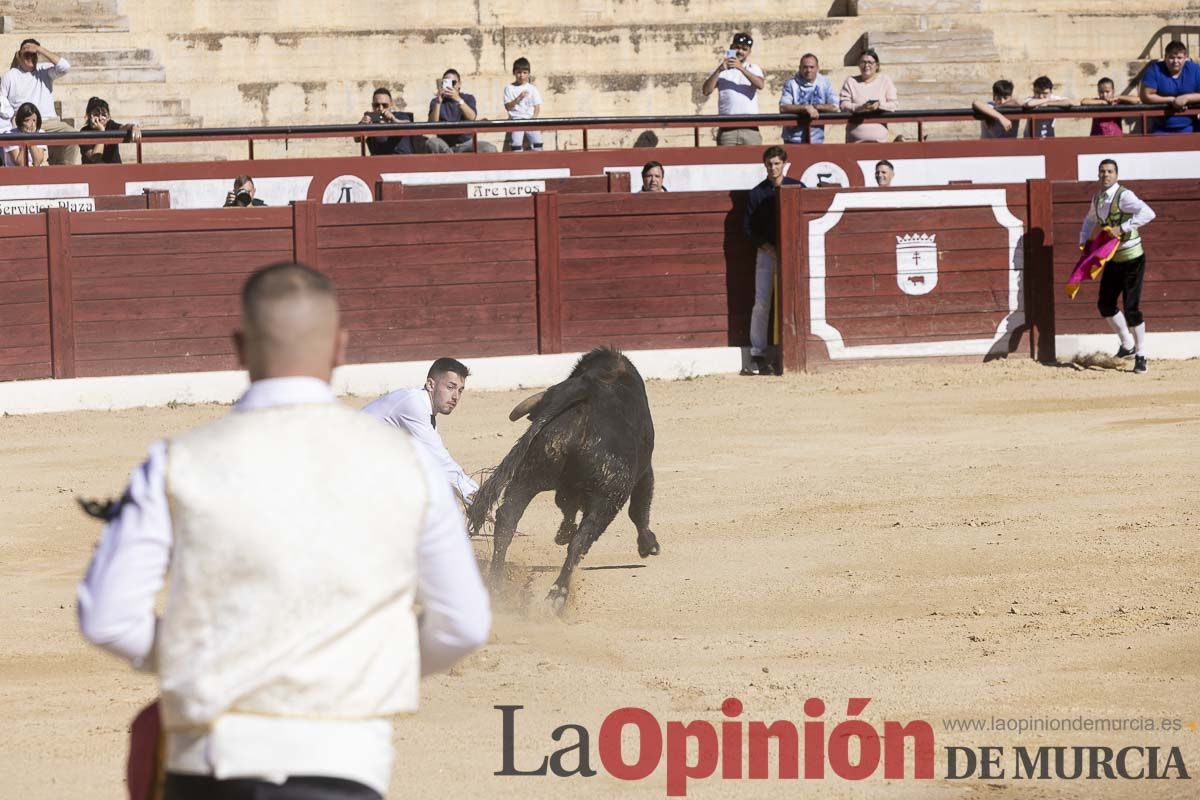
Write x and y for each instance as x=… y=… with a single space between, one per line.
x=525 y=406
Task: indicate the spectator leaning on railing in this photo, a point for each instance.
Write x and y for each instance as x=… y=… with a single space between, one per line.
x=737 y=83
x=30 y=82
x=994 y=124
x=807 y=93
x=1174 y=80
x=28 y=119
x=99 y=119
x=867 y=93
x=1106 y=95
x=1043 y=97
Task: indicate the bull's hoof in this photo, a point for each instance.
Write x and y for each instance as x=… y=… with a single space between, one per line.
x=564 y=535
x=648 y=546
x=557 y=598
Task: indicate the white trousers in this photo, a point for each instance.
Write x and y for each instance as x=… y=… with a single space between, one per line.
x=517 y=139
x=764 y=285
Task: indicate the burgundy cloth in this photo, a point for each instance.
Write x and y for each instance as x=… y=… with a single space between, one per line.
x=142 y=772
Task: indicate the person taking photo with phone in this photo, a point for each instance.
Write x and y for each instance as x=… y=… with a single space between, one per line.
x=737 y=82
x=452 y=104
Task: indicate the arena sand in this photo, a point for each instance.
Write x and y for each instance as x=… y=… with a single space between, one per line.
x=1005 y=540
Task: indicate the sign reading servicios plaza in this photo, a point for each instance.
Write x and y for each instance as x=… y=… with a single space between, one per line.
x=10 y=207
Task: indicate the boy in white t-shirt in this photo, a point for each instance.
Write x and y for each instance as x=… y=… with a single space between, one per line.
x=522 y=100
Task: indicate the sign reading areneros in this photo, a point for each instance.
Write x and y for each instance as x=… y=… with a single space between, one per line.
x=10 y=207
x=504 y=189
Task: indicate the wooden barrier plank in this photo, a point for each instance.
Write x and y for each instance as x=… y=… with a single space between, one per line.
x=220 y=242
x=224 y=284
x=24 y=356
x=643 y=204
x=485 y=294
x=151 y=366
x=24 y=258
x=155 y=348
x=649 y=246
x=593 y=327
x=62 y=319
x=969 y=325
x=20 y=372
x=460 y=254
x=633 y=308
x=653 y=286
x=446 y=334
x=484 y=234
x=16 y=292
x=870 y=222
x=145 y=329
x=187 y=307
x=171 y=267
x=632 y=225
x=361 y=275
x=178 y=220
x=36 y=313
x=421 y=212
x=549 y=275
x=648 y=341
x=993 y=242
x=933 y=304
x=885 y=284
x=304 y=232
x=423 y=352
x=414 y=317
x=646 y=266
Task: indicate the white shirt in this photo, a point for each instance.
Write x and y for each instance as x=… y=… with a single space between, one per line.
x=735 y=93
x=11 y=152
x=1130 y=204
x=37 y=87
x=412 y=410
x=1040 y=127
x=523 y=109
x=116 y=611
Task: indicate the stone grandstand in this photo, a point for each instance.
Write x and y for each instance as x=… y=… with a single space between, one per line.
x=218 y=63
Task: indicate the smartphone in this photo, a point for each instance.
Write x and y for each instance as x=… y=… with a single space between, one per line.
x=731 y=53
x=447 y=83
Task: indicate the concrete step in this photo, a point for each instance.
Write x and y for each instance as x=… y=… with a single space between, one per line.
x=117 y=75
x=112 y=58
x=32 y=17
x=868 y=8
x=917 y=47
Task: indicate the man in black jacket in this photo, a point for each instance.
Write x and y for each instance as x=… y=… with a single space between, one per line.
x=761 y=228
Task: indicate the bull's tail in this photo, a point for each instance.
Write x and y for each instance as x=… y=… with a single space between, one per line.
x=558 y=399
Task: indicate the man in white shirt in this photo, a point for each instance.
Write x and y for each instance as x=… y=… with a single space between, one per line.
x=738 y=83
x=298 y=536
x=416 y=410
x=30 y=82
x=1119 y=210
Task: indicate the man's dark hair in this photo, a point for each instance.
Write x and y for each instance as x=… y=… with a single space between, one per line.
x=772 y=152
x=282 y=280
x=382 y=90
x=521 y=63
x=444 y=365
x=1103 y=81
x=1002 y=88
x=651 y=165
x=98 y=106
x=1173 y=46
x=885 y=163
x=813 y=56
x=1110 y=161
x=453 y=72
x=241 y=180
x=39 y=44
x=1043 y=84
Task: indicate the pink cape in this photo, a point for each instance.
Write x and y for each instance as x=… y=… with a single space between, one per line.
x=144 y=770
x=1096 y=254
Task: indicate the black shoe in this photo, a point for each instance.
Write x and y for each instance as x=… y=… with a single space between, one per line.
x=1124 y=352
x=1139 y=365
x=755 y=367
x=767 y=368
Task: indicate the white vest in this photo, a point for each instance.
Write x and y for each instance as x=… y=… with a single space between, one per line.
x=293 y=568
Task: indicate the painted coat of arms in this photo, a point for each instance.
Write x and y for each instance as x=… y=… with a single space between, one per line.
x=916 y=263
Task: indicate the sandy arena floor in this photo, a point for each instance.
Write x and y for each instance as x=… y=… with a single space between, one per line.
x=1004 y=540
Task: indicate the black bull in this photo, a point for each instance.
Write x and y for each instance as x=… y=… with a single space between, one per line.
x=590 y=439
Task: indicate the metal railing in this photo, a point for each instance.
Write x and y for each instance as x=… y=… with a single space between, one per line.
x=250 y=135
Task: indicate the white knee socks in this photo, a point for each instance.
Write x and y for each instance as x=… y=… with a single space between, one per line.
x=1139 y=336
x=1119 y=326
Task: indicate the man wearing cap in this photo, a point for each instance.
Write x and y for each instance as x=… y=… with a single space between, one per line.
x=416 y=410
x=738 y=83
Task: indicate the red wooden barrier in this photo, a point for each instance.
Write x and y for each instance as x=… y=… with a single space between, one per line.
x=24 y=298
x=902 y=273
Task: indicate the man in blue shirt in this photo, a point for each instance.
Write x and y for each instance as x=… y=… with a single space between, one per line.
x=1174 y=80
x=451 y=104
x=762 y=229
x=808 y=94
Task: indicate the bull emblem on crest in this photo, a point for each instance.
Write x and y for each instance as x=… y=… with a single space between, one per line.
x=916 y=263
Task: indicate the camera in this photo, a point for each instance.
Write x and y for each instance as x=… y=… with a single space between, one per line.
x=731 y=53
x=447 y=83
x=242 y=198
x=376 y=117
